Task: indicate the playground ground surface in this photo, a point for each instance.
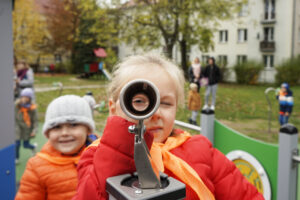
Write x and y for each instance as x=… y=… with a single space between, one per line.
x=241 y=107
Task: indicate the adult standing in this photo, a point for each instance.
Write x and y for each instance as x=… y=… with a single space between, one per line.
x=212 y=73
x=25 y=76
x=195 y=72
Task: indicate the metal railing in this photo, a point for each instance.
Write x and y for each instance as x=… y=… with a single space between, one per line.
x=187 y=125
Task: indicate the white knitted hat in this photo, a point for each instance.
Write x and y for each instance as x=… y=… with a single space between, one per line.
x=68 y=109
x=91 y=101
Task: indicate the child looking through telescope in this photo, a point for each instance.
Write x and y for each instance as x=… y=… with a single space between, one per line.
x=207 y=173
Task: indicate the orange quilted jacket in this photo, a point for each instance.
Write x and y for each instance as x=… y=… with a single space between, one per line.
x=49 y=175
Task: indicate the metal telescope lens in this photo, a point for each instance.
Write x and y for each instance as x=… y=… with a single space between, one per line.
x=140 y=102
x=139 y=99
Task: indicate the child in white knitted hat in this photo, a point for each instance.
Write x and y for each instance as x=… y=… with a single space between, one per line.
x=51 y=174
x=26 y=121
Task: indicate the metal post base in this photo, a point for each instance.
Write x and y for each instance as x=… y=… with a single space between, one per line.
x=126 y=187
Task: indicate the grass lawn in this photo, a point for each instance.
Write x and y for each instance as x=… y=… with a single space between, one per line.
x=241 y=107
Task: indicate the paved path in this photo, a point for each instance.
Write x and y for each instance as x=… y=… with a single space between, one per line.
x=45 y=89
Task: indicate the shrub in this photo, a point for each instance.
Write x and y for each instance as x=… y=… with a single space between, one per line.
x=248 y=72
x=289 y=71
x=224 y=73
x=65 y=67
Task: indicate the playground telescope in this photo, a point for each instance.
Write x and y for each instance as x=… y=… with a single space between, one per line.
x=139 y=100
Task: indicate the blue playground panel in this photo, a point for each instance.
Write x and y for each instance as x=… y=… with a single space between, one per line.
x=7 y=173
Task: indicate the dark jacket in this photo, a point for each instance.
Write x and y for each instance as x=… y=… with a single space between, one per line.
x=212 y=73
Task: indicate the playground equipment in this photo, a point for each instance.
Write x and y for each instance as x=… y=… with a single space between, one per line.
x=288 y=160
x=94 y=69
x=270 y=106
x=271 y=168
x=145 y=184
x=7 y=141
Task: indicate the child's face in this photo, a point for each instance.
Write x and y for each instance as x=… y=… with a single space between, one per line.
x=161 y=123
x=283 y=89
x=68 y=138
x=20 y=66
x=24 y=100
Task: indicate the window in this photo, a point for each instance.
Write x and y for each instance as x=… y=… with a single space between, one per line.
x=222 y=60
x=241 y=59
x=242 y=35
x=223 y=35
x=243 y=11
x=269 y=9
x=269 y=34
x=268 y=61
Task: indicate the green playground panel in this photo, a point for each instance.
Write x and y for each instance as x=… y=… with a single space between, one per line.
x=227 y=140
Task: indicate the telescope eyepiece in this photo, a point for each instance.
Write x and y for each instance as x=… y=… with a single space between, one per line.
x=139 y=99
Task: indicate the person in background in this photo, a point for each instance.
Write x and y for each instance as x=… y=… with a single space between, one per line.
x=207 y=173
x=52 y=68
x=195 y=73
x=26 y=121
x=51 y=174
x=212 y=73
x=194 y=103
x=286 y=103
x=25 y=77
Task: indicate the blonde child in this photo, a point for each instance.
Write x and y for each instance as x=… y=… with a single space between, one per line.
x=207 y=173
x=51 y=174
x=26 y=121
x=194 y=103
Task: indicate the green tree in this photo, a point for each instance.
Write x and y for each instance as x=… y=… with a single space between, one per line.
x=62 y=18
x=97 y=28
x=187 y=22
x=30 y=33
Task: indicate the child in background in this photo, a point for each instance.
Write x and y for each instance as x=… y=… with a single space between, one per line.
x=195 y=73
x=51 y=174
x=194 y=157
x=26 y=121
x=194 y=103
x=285 y=98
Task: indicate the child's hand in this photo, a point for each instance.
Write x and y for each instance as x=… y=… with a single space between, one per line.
x=32 y=134
x=287 y=114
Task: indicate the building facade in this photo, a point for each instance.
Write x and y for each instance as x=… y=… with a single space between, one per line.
x=264 y=30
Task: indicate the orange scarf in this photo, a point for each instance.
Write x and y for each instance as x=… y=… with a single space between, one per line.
x=26 y=116
x=161 y=157
x=59 y=160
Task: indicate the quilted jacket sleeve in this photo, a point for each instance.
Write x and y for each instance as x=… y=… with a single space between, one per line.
x=112 y=157
x=30 y=185
x=229 y=182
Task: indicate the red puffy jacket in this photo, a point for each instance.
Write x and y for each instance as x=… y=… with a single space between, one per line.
x=114 y=156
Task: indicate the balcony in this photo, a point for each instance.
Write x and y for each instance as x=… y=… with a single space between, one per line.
x=268 y=18
x=267 y=46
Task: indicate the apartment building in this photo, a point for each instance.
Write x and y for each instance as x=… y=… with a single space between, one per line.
x=264 y=30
